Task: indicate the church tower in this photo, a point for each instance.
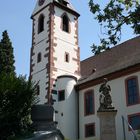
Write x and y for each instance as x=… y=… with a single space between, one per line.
x=55 y=62
x=55 y=50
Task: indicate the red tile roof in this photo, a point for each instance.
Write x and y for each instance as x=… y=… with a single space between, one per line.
x=117 y=58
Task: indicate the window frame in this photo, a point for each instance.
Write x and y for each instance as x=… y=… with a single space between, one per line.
x=67 y=57
x=85 y=110
x=39 y=57
x=41 y=19
x=59 y=92
x=62 y=23
x=94 y=132
x=126 y=90
x=129 y=120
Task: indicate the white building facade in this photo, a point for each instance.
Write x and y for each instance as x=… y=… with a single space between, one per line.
x=122 y=69
x=119 y=98
x=56 y=68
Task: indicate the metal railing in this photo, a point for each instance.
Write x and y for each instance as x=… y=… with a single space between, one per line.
x=130 y=127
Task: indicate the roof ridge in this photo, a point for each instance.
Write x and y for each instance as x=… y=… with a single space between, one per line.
x=112 y=48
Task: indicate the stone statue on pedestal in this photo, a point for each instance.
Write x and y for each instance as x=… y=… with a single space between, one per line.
x=105 y=97
x=106 y=113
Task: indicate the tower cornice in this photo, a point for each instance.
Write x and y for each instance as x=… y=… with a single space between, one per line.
x=66 y=8
x=55 y=3
x=40 y=10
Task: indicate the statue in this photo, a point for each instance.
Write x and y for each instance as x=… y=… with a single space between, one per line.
x=105 y=97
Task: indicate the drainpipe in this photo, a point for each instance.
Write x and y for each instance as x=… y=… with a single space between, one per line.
x=124 y=135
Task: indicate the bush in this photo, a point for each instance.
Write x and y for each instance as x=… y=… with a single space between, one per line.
x=17 y=95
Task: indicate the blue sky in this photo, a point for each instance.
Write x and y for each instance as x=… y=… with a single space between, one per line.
x=15 y=18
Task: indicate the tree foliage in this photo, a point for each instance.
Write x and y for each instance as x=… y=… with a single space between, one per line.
x=112 y=17
x=17 y=95
x=6 y=54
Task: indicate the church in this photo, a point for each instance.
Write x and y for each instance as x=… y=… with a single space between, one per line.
x=73 y=84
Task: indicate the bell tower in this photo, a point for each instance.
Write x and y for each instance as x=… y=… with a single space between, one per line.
x=54 y=50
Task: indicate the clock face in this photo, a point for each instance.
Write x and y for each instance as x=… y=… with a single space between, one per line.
x=40 y=2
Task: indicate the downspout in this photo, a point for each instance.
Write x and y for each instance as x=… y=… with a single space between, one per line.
x=78 y=115
x=78 y=128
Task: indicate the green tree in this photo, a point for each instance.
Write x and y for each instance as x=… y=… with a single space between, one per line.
x=112 y=17
x=17 y=95
x=6 y=54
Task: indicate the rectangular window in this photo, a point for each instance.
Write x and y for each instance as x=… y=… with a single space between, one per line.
x=89 y=102
x=61 y=95
x=39 y=57
x=67 y=57
x=132 y=91
x=134 y=121
x=90 y=130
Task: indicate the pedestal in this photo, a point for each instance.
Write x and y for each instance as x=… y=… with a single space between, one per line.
x=107 y=124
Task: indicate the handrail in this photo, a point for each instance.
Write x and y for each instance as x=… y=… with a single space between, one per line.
x=131 y=128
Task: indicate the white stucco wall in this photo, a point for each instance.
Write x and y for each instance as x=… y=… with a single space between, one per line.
x=40 y=48
x=119 y=102
x=68 y=122
x=42 y=83
x=42 y=35
x=90 y=118
x=39 y=73
x=40 y=41
x=62 y=35
x=66 y=43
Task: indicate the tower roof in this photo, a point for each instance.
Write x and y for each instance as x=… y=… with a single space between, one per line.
x=64 y=4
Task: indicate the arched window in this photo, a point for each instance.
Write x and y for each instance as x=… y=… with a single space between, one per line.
x=40 y=23
x=65 y=23
x=39 y=57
